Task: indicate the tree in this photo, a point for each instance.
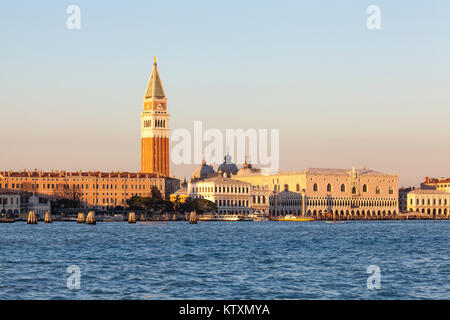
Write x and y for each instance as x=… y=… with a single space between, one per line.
x=67 y=197
x=197 y=204
x=203 y=205
x=149 y=204
x=136 y=203
x=177 y=204
x=156 y=194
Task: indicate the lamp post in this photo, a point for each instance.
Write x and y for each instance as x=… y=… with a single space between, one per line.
x=275 y=199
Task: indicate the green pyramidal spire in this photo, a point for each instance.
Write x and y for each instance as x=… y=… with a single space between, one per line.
x=155 y=88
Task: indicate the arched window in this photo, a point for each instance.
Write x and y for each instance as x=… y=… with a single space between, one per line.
x=298 y=187
x=364 y=188
x=329 y=188
x=315 y=187
x=391 y=191
x=342 y=188
x=378 y=190
x=354 y=190
x=286 y=187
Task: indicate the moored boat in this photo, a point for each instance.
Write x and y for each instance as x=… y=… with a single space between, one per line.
x=219 y=217
x=291 y=217
x=228 y=217
x=259 y=216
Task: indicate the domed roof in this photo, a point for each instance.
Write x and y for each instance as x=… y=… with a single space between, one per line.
x=247 y=169
x=228 y=167
x=33 y=200
x=203 y=171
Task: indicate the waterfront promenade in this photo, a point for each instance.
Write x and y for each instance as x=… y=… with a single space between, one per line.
x=142 y=216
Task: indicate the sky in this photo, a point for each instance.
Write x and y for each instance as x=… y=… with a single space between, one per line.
x=340 y=94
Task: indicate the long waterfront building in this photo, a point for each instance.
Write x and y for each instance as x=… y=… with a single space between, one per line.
x=101 y=190
x=346 y=192
x=312 y=192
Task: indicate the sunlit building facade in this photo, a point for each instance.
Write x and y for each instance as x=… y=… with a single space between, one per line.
x=346 y=192
x=230 y=196
x=430 y=201
x=102 y=190
x=442 y=184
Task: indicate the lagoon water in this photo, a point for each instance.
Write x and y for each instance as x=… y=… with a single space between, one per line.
x=226 y=260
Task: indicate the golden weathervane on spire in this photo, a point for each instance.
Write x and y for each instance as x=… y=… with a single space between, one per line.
x=155 y=59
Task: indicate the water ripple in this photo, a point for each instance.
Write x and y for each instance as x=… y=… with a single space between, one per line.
x=215 y=260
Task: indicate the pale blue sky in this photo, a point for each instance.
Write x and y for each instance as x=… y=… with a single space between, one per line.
x=340 y=94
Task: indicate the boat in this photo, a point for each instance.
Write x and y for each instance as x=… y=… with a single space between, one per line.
x=228 y=217
x=291 y=217
x=245 y=218
x=206 y=217
x=259 y=216
x=118 y=218
x=219 y=217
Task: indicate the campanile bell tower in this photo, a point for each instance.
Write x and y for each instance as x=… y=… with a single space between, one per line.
x=155 y=127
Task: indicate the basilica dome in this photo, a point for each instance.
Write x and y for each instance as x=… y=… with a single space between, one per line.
x=203 y=171
x=33 y=200
x=247 y=169
x=228 y=167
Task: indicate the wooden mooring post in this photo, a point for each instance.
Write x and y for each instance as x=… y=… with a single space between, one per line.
x=48 y=217
x=91 y=218
x=81 y=218
x=32 y=218
x=193 y=217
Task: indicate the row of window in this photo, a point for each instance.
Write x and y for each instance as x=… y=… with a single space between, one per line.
x=5 y=201
x=112 y=194
x=286 y=202
x=336 y=203
x=341 y=213
x=428 y=202
x=259 y=199
x=84 y=179
x=343 y=188
x=434 y=211
x=221 y=189
x=67 y=186
x=233 y=211
x=232 y=203
x=158 y=123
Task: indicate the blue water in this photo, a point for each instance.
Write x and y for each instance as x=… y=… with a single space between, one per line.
x=226 y=260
